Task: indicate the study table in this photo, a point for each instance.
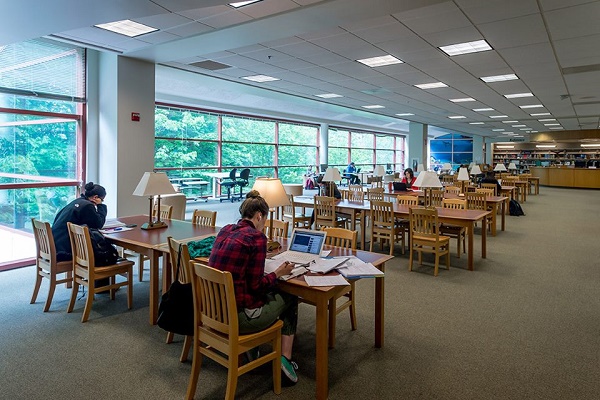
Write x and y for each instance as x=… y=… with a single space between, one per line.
x=147 y=242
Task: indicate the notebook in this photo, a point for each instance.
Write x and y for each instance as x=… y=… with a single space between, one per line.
x=305 y=246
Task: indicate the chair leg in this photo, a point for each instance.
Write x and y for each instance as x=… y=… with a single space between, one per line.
x=410 y=257
x=88 y=303
x=36 y=288
x=170 y=336
x=130 y=288
x=352 y=308
x=196 y=365
x=112 y=280
x=74 y=291
x=458 y=245
x=437 y=263
x=187 y=343
x=51 y=289
x=232 y=378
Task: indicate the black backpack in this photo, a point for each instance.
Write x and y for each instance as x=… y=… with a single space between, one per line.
x=514 y=208
x=104 y=251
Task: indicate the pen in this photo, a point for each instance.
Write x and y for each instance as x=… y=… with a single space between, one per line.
x=118 y=229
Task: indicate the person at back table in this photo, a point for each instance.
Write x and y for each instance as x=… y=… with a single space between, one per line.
x=241 y=249
x=86 y=210
x=490 y=178
x=350 y=173
x=409 y=178
x=309 y=178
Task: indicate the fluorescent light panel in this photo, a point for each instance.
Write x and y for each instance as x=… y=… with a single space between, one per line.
x=328 y=95
x=590 y=145
x=517 y=95
x=540 y=114
x=553 y=124
x=239 y=4
x=497 y=130
x=505 y=147
x=127 y=27
x=545 y=146
x=498 y=116
x=518 y=126
x=499 y=78
x=456 y=116
x=380 y=61
x=547 y=119
x=260 y=78
x=476 y=123
x=556 y=128
x=433 y=85
x=466 y=48
x=509 y=122
x=532 y=106
x=405 y=114
x=483 y=109
x=463 y=100
x=373 y=106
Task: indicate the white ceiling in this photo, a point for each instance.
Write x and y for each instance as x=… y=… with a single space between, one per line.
x=311 y=45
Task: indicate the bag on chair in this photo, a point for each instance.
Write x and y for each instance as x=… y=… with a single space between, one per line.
x=176 y=309
x=105 y=253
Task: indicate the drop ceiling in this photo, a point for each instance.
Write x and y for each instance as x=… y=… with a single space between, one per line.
x=312 y=46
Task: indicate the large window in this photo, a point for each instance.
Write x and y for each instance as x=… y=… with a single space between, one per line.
x=453 y=148
x=42 y=92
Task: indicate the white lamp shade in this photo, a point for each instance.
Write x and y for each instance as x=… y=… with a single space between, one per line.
x=512 y=166
x=446 y=167
x=463 y=174
x=475 y=170
x=272 y=190
x=154 y=183
x=332 y=175
x=428 y=179
x=388 y=178
x=379 y=171
x=500 y=168
x=420 y=168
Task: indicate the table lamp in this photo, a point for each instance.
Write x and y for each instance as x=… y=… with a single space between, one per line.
x=500 y=168
x=379 y=171
x=475 y=170
x=154 y=184
x=428 y=180
x=447 y=167
x=331 y=175
x=512 y=167
x=463 y=176
x=272 y=190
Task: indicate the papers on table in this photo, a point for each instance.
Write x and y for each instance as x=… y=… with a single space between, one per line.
x=324 y=265
x=271 y=266
x=356 y=268
x=112 y=223
x=325 y=280
x=108 y=231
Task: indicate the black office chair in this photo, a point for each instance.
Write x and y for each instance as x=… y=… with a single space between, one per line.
x=243 y=181
x=230 y=185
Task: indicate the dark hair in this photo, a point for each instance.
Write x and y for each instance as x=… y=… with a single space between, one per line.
x=92 y=189
x=410 y=171
x=253 y=203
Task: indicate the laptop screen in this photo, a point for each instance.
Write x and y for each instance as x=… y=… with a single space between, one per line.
x=307 y=241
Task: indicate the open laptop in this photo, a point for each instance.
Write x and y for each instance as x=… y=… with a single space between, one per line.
x=305 y=246
x=400 y=186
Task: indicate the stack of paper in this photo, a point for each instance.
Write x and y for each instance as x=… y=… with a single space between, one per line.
x=356 y=268
x=324 y=265
x=325 y=280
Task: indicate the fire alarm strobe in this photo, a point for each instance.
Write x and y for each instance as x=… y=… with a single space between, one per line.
x=135 y=116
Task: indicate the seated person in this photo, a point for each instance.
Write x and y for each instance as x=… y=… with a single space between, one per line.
x=241 y=249
x=490 y=178
x=350 y=174
x=324 y=188
x=409 y=178
x=309 y=178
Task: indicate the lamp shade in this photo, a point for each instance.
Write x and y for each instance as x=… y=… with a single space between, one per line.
x=379 y=171
x=332 y=175
x=388 y=178
x=463 y=174
x=428 y=179
x=420 y=168
x=500 y=168
x=475 y=170
x=446 y=167
x=512 y=166
x=154 y=183
x=272 y=190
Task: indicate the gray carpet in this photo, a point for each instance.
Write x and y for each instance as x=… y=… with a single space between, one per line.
x=524 y=325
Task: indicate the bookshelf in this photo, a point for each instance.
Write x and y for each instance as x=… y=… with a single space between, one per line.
x=527 y=155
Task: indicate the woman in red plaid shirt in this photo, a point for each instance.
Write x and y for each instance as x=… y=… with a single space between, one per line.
x=242 y=249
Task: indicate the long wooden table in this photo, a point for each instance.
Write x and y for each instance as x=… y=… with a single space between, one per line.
x=147 y=242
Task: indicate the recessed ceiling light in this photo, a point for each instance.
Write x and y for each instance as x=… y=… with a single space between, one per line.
x=405 y=114
x=533 y=131
x=590 y=145
x=466 y=48
x=556 y=128
x=518 y=126
x=476 y=123
x=499 y=78
x=525 y=129
x=433 y=85
x=380 y=61
x=508 y=133
x=509 y=122
x=328 y=95
x=545 y=146
x=497 y=130
x=260 y=78
x=483 y=109
x=540 y=114
x=373 y=106
x=518 y=136
x=505 y=147
x=456 y=116
x=547 y=119
x=239 y=4
x=127 y=27
x=517 y=95
x=463 y=100
x=532 y=106
x=498 y=116
x=553 y=124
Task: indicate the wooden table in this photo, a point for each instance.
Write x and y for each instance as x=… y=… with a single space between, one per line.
x=536 y=183
x=466 y=218
x=147 y=242
x=324 y=299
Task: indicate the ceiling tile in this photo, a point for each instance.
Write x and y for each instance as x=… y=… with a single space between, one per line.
x=495 y=10
x=190 y=29
x=578 y=51
x=268 y=7
x=574 y=21
x=514 y=32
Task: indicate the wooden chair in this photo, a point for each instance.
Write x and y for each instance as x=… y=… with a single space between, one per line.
x=455 y=231
x=344 y=238
x=216 y=331
x=204 y=218
x=86 y=273
x=355 y=193
x=375 y=194
x=492 y=186
x=325 y=215
x=437 y=195
x=181 y=258
x=447 y=179
x=46 y=265
x=425 y=237
x=297 y=219
x=488 y=191
x=402 y=223
x=477 y=201
x=280 y=228
x=452 y=189
x=383 y=226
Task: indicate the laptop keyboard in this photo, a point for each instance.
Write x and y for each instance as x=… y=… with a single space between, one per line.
x=297 y=258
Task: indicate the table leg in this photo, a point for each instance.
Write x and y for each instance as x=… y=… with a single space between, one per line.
x=332 y=320
x=379 y=309
x=495 y=212
x=322 y=356
x=154 y=257
x=363 y=228
x=503 y=211
x=483 y=237
x=470 y=231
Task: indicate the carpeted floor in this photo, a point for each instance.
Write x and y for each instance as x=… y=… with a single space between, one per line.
x=524 y=325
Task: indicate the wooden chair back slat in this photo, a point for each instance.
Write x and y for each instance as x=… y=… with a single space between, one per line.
x=204 y=218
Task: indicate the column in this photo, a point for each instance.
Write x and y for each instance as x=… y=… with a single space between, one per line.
x=323 y=145
x=417 y=145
